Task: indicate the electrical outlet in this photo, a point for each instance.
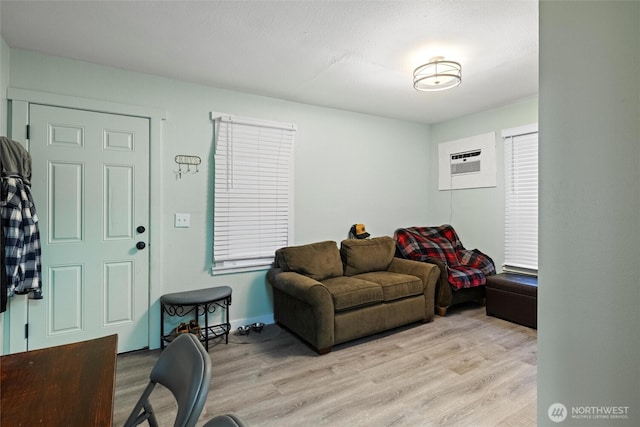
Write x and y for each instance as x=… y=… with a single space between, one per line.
x=183 y=220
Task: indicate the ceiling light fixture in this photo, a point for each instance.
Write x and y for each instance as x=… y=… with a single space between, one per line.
x=437 y=74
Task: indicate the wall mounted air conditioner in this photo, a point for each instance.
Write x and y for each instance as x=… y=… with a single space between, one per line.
x=467 y=163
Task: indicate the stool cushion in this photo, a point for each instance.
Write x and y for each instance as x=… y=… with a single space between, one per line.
x=196 y=297
x=517 y=283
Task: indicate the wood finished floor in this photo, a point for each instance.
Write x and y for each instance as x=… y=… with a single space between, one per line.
x=465 y=369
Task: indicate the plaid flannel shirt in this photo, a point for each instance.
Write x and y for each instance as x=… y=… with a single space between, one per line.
x=22 y=238
x=465 y=268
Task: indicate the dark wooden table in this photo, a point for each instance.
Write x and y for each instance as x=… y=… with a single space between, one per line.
x=68 y=385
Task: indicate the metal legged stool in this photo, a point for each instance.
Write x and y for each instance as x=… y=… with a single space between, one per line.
x=200 y=302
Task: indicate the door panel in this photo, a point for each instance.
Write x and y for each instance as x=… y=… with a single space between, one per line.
x=118 y=202
x=90 y=185
x=65 y=290
x=65 y=202
x=119 y=293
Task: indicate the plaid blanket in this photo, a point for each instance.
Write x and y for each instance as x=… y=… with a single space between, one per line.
x=466 y=268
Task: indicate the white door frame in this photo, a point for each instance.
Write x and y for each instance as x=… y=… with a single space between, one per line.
x=16 y=315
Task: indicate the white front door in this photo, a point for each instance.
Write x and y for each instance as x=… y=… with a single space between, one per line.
x=90 y=183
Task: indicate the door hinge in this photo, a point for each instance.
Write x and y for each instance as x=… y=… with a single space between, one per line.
x=26 y=331
x=28 y=131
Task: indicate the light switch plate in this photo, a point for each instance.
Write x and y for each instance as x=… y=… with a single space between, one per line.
x=183 y=220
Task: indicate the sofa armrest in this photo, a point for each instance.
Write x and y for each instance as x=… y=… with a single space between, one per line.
x=428 y=273
x=305 y=306
x=444 y=293
x=302 y=288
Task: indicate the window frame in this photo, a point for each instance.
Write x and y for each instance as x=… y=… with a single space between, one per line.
x=518 y=256
x=253 y=192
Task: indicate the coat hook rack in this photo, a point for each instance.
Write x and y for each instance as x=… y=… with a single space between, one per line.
x=188 y=161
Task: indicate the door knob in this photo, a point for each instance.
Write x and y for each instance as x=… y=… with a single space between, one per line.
x=140 y=245
x=140 y=229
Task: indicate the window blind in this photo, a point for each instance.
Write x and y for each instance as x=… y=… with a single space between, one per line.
x=521 y=200
x=252 y=192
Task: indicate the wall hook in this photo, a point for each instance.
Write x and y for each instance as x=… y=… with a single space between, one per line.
x=183 y=159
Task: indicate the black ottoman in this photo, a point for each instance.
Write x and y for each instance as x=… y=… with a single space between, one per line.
x=513 y=297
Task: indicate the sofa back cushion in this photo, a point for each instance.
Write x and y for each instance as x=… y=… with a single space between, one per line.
x=319 y=261
x=365 y=255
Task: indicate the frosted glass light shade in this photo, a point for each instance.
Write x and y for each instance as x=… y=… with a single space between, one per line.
x=437 y=74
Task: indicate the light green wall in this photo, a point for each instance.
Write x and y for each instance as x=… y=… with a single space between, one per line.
x=589 y=294
x=4 y=83
x=349 y=167
x=477 y=214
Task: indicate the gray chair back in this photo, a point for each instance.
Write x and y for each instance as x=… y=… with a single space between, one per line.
x=184 y=367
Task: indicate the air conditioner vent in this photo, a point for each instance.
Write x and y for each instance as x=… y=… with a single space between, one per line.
x=471 y=167
x=465 y=162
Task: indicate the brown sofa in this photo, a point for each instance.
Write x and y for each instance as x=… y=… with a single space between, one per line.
x=328 y=296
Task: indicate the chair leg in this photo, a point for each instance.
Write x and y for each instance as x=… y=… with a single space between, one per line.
x=153 y=422
x=442 y=311
x=143 y=411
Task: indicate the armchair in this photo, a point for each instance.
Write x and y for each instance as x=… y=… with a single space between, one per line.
x=463 y=272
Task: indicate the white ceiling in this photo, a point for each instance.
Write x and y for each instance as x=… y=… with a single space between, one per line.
x=354 y=55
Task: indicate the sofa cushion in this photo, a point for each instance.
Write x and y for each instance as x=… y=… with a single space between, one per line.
x=319 y=261
x=349 y=293
x=366 y=255
x=394 y=285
